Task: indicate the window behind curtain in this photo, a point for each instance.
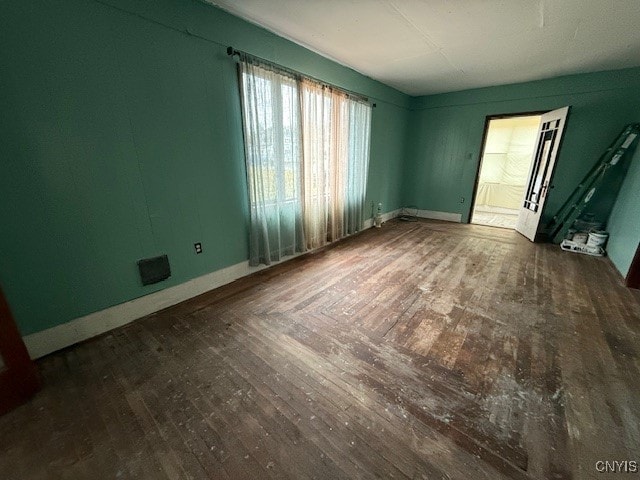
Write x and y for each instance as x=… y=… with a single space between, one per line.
x=272 y=134
x=307 y=154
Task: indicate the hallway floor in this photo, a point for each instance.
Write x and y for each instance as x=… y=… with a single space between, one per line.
x=495 y=217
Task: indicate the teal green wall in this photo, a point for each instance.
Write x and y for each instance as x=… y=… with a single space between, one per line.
x=389 y=128
x=446 y=132
x=121 y=139
x=624 y=223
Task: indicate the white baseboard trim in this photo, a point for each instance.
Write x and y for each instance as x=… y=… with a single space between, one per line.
x=64 y=335
x=61 y=336
x=447 y=216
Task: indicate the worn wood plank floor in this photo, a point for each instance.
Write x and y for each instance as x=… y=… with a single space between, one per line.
x=421 y=350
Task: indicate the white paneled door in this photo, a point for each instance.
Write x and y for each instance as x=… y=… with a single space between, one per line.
x=544 y=158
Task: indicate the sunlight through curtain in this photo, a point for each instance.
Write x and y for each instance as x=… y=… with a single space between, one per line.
x=307 y=157
x=336 y=156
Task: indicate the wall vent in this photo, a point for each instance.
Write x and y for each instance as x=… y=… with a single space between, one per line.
x=154 y=270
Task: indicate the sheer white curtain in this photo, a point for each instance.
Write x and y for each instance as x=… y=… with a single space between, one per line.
x=307 y=157
x=317 y=125
x=271 y=117
x=357 y=165
x=336 y=160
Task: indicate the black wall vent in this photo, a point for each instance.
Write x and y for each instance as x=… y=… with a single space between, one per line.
x=154 y=270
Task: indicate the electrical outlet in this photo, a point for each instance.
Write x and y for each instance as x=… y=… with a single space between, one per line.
x=198 y=247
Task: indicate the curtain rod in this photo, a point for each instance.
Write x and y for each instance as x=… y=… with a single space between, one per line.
x=232 y=51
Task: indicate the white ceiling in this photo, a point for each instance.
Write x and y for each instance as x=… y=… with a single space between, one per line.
x=423 y=47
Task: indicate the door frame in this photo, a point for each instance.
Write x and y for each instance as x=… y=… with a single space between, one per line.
x=487 y=121
x=19 y=379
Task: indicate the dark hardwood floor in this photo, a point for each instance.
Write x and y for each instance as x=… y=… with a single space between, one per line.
x=425 y=350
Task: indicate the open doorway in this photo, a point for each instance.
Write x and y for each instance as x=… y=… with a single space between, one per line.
x=507 y=152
